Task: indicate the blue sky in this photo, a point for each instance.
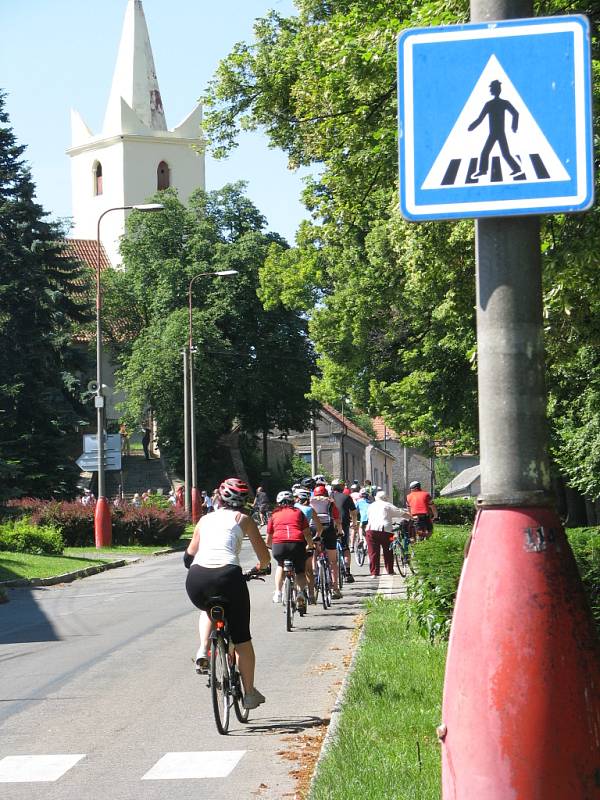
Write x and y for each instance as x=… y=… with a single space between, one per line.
x=58 y=54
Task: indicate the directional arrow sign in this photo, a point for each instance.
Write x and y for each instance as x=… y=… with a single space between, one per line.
x=495 y=119
x=88 y=462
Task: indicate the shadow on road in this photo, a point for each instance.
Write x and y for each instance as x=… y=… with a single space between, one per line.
x=271 y=725
x=22 y=620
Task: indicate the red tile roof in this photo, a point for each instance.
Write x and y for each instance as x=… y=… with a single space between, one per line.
x=383 y=430
x=351 y=427
x=85 y=250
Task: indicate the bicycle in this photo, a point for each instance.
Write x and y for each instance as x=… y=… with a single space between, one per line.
x=360 y=549
x=402 y=547
x=224 y=678
x=323 y=577
x=290 y=595
x=341 y=564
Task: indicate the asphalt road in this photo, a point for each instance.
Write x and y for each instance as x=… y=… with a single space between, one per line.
x=100 y=672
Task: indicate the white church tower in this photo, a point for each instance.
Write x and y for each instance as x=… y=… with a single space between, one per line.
x=136 y=153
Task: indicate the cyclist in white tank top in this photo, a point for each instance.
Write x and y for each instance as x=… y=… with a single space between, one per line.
x=221 y=539
x=214 y=551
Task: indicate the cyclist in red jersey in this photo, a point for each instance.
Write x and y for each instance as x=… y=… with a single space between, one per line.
x=422 y=509
x=288 y=534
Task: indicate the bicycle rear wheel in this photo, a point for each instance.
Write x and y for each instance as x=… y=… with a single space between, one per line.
x=359 y=554
x=240 y=712
x=322 y=584
x=399 y=560
x=219 y=684
x=290 y=603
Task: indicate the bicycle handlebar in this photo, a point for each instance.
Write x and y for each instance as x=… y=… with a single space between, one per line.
x=255 y=574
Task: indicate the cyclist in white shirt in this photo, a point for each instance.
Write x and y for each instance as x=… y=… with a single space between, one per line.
x=213 y=559
x=379 y=531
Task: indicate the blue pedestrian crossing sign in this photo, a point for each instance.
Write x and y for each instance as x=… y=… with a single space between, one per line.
x=495 y=119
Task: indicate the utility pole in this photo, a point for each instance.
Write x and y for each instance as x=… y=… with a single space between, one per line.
x=314 y=465
x=521 y=710
x=186 y=432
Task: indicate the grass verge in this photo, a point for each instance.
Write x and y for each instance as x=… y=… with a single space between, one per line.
x=386 y=744
x=26 y=565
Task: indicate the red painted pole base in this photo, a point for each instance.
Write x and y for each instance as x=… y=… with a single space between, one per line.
x=102 y=523
x=521 y=711
x=196 y=505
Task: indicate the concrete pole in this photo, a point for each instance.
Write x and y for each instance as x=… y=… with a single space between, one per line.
x=314 y=465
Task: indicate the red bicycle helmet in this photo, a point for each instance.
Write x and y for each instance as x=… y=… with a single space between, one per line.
x=234 y=492
x=320 y=491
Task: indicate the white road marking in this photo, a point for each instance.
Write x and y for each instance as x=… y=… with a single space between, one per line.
x=182 y=766
x=30 y=769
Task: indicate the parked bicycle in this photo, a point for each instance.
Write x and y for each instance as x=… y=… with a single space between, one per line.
x=323 y=577
x=224 y=677
x=290 y=595
x=402 y=547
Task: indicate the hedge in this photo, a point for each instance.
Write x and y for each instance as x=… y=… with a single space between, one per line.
x=455 y=510
x=439 y=563
x=24 y=537
x=148 y=525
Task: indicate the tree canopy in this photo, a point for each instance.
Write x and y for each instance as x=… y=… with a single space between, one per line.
x=251 y=365
x=39 y=308
x=391 y=303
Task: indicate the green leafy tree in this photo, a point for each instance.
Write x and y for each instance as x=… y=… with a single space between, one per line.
x=39 y=285
x=251 y=365
x=391 y=303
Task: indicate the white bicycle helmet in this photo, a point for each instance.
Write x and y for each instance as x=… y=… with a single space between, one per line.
x=285 y=498
x=303 y=494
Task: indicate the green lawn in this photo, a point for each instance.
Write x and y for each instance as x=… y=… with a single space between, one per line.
x=27 y=565
x=386 y=746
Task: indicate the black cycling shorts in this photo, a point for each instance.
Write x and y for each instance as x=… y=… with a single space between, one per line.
x=329 y=537
x=290 y=551
x=423 y=523
x=205 y=582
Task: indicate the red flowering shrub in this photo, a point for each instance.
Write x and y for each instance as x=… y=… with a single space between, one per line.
x=147 y=525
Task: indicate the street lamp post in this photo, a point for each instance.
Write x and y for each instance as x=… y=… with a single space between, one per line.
x=102 y=521
x=192 y=493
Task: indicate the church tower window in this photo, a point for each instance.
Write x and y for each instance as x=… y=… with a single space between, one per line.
x=163 y=177
x=97 y=169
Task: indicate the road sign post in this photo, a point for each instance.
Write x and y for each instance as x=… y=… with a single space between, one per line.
x=521 y=709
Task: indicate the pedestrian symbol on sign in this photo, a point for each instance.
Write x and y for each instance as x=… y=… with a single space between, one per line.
x=475 y=154
x=496 y=111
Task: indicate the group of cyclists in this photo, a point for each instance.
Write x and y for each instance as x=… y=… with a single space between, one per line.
x=307 y=519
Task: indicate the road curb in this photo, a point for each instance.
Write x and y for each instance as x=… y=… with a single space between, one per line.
x=336 y=711
x=68 y=577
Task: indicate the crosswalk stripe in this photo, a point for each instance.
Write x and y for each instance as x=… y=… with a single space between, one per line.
x=460 y=172
x=33 y=769
x=182 y=766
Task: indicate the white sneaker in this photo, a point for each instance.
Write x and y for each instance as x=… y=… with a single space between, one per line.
x=277 y=597
x=253 y=699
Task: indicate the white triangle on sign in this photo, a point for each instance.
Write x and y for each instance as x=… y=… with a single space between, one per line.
x=459 y=159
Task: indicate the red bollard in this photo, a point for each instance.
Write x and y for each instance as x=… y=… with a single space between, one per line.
x=521 y=711
x=196 y=504
x=102 y=523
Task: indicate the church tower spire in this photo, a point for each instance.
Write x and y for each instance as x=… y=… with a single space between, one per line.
x=136 y=155
x=134 y=79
